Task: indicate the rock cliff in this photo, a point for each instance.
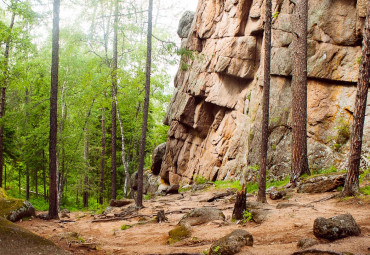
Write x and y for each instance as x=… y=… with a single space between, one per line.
x=215 y=112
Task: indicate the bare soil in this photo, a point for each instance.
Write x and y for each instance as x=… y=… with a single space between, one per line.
x=279 y=234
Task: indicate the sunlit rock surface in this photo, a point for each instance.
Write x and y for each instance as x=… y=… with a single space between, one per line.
x=215 y=112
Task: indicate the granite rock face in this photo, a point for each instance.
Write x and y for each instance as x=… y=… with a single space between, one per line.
x=215 y=112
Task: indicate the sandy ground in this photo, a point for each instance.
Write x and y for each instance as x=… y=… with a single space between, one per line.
x=278 y=235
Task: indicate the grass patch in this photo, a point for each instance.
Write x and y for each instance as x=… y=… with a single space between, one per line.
x=365 y=190
x=227 y=184
x=198 y=179
x=278 y=183
x=148 y=196
x=125 y=227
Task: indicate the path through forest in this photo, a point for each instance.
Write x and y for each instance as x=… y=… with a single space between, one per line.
x=278 y=235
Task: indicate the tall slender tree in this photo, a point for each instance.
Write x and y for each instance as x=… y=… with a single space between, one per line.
x=102 y=157
x=114 y=110
x=299 y=93
x=261 y=197
x=53 y=192
x=139 y=198
x=351 y=186
x=3 y=92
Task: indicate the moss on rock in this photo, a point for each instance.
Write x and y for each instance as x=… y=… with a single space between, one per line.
x=14 y=209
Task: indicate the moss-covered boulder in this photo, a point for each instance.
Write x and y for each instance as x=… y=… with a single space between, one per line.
x=14 y=209
x=17 y=240
x=179 y=233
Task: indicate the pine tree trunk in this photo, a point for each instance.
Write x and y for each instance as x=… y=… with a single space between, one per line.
x=85 y=194
x=27 y=164
x=53 y=199
x=139 y=198
x=114 y=110
x=261 y=197
x=351 y=186
x=44 y=173
x=102 y=161
x=3 y=97
x=240 y=204
x=299 y=93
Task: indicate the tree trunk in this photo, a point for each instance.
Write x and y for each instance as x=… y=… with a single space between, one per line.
x=351 y=186
x=139 y=198
x=44 y=173
x=124 y=162
x=240 y=204
x=27 y=164
x=86 y=180
x=114 y=91
x=3 y=96
x=299 y=93
x=102 y=161
x=53 y=196
x=261 y=197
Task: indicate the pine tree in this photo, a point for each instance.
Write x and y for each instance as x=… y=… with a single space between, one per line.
x=139 y=198
x=351 y=186
x=53 y=196
x=299 y=93
x=261 y=197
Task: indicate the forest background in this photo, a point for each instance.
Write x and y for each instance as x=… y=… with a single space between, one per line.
x=85 y=93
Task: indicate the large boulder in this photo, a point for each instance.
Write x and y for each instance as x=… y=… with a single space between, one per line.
x=336 y=227
x=322 y=183
x=14 y=209
x=260 y=211
x=157 y=158
x=185 y=24
x=17 y=240
x=232 y=243
x=150 y=182
x=200 y=216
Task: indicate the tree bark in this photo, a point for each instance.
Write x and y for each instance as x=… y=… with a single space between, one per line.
x=351 y=186
x=53 y=200
x=114 y=110
x=139 y=198
x=299 y=93
x=3 y=96
x=240 y=204
x=102 y=155
x=261 y=197
x=85 y=195
x=124 y=162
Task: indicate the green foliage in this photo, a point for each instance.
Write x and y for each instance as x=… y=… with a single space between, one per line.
x=331 y=169
x=365 y=190
x=247 y=216
x=358 y=60
x=227 y=184
x=278 y=183
x=216 y=249
x=275 y=15
x=198 y=179
x=342 y=136
x=125 y=227
x=148 y=196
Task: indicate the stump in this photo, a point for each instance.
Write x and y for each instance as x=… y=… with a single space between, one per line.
x=161 y=217
x=240 y=204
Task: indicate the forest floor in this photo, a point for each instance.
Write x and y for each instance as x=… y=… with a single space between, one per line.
x=279 y=234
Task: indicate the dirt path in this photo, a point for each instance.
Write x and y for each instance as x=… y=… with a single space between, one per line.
x=278 y=235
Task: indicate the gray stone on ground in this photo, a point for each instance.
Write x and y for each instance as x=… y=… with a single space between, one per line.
x=185 y=24
x=26 y=210
x=275 y=193
x=259 y=211
x=200 y=216
x=232 y=243
x=321 y=184
x=307 y=242
x=336 y=227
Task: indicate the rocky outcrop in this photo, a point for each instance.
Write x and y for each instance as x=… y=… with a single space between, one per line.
x=157 y=158
x=215 y=112
x=336 y=227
